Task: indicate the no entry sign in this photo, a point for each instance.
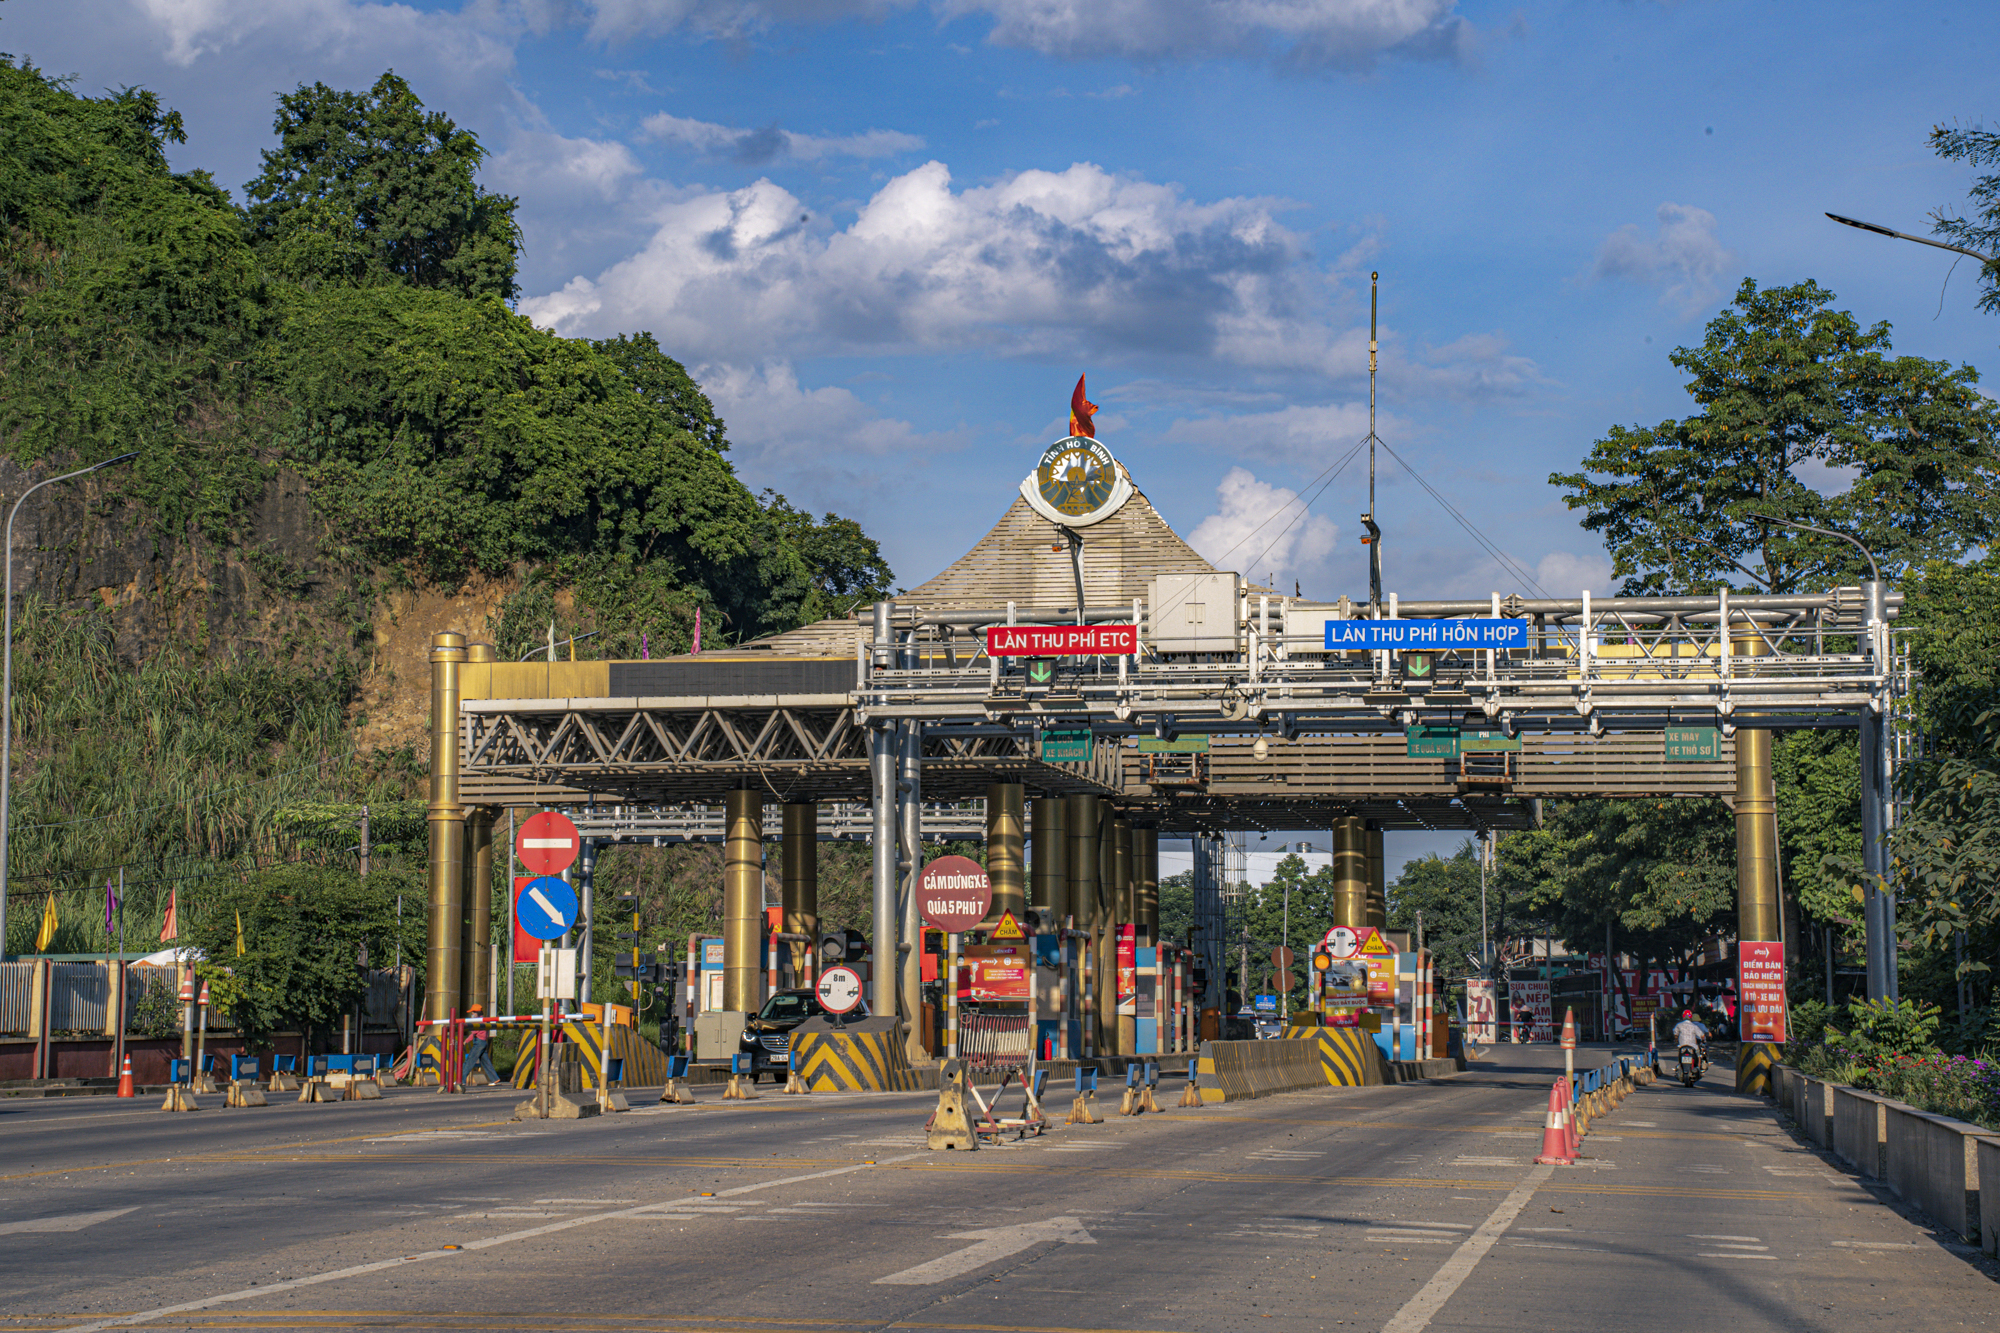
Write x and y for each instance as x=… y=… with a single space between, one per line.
x=547 y=843
x=953 y=893
x=1061 y=640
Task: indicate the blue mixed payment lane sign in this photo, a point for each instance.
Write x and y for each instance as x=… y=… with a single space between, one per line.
x=1375 y=635
x=546 y=907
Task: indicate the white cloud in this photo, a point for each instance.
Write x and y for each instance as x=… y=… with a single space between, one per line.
x=1308 y=33
x=1345 y=33
x=756 y=147
x=1039 y=263
x=1294 y=434
x=1262 y=531
x=1566 y=575
x=1684 y=257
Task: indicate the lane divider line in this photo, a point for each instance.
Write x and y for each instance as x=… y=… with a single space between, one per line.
x=469 y=1247
x=1417 y=1313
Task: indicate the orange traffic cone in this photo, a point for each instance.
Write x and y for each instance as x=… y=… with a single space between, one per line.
x=1556 y=1149
x=1572 y=1119
x=125 y=1088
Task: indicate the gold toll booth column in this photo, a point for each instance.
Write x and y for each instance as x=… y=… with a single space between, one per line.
x=446 y=820
x=1757 y=905
x=742 y=900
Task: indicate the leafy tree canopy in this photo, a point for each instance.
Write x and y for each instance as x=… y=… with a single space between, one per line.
x=1444 y=892
x=1976 y=147
x=1791 y=390
x=1661 y=873
x=309 y=935
x=370 y=188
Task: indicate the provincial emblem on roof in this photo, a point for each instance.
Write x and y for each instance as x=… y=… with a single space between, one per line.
x=1077 y=483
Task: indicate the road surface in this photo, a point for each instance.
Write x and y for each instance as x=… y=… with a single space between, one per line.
x=1394 y=1208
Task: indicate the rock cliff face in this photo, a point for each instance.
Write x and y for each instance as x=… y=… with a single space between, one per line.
x=278 y=591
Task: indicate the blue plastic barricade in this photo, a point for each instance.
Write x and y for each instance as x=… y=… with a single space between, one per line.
x=242 y=1067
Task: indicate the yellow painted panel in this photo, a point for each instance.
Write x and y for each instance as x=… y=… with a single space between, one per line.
x=475 y=680
x=579 y=680
x=520 y=680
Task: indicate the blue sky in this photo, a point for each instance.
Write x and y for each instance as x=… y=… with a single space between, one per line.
x=888 y=234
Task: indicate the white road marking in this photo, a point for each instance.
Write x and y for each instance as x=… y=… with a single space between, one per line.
x=469 y=1247
x=994 y=1243
x=588 y=1203
x=1487 y=1161
x=1696 y=1235
x=1732 y=1254
x=1413 y=1237
x=65 y=1222
x=1417 y=1313
x=1876 y=1244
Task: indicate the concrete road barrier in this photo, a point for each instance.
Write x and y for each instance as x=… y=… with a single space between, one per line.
x=1933 y=1164
x=863 y=1056
x=1859 y=1126
x=1320 y=1057
x=1815 y=1114
x=1987 y=1151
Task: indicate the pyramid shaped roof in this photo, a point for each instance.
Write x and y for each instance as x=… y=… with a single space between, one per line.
x=1025 y=560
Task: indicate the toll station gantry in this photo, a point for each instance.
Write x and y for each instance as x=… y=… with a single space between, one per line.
x=1082 y=682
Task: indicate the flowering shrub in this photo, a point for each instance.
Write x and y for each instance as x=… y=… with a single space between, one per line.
x=1891 y=1048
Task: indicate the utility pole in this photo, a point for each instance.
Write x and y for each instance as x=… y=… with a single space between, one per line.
x=1374 y=537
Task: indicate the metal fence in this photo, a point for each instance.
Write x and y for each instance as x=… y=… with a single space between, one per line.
x=995 y=1041
x=79 y=994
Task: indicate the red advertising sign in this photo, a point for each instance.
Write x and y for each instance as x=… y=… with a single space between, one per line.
x=998 y=972
x=527 y=949
x=953 y=893
x=1760 y=990
x=547 y=843
x=1128 y=970
x=1061 y=640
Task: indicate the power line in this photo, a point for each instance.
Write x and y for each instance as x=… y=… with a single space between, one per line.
x=1507 y=563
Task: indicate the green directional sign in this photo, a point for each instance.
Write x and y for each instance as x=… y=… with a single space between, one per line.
x=1488 y=742
x=1693 y=745
x=1041 y=670
x=1178 y=745
x=1065 y=747
x=1432 y=742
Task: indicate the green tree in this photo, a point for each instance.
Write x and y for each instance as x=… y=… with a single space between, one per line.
x=1444 y=891
x=1783 y=382
x=1660 y=873
x=310 y=933
x=370 y=187
x=1976 y=147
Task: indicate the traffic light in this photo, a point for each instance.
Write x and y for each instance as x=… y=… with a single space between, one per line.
x=637 y=971
x=843 y=946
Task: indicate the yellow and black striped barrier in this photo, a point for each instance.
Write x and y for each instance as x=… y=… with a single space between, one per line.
x=582 y=1045
x=852 y=1060
x=1754 y=1063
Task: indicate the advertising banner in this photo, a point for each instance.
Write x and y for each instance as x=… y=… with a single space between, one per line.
x=1381 y=980
x=998 y=972
x=1482 y=1010
x=1128 y=970
x=1760 y=990
x=1532 y=1021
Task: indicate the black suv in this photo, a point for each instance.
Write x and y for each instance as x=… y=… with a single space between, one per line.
x=767 y=1036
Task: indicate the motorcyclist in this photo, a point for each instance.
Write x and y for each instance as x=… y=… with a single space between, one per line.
x=1692 y=1034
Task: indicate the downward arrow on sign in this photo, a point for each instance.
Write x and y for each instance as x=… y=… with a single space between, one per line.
x=995 y=1243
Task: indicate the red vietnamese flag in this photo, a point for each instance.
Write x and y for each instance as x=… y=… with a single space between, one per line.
x=172 y=929
x=1081 y=410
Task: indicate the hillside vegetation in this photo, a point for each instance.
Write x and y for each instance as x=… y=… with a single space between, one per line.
x=340 y=342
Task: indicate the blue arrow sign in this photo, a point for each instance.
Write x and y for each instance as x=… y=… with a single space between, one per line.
x=545 y=907
x=1435 y=635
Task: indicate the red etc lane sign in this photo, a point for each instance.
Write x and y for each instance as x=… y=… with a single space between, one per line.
x=1061 y=640
x=953 y=893
x=1760 y=990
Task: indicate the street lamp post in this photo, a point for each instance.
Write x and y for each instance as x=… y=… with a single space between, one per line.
x=1920 y=240
x=7 y=681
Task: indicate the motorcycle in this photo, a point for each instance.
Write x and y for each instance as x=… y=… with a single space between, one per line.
x=1691 y=1063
